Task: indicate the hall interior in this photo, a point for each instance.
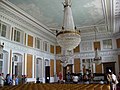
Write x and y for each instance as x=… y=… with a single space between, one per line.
x=28 y=37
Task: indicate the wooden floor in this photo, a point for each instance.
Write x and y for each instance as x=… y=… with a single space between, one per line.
x=33 y=86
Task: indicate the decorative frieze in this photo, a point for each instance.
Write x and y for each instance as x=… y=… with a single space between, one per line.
x=117 y=8
x=19 y=48
x=88 y=55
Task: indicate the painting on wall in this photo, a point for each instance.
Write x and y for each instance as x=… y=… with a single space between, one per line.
x=107 y=44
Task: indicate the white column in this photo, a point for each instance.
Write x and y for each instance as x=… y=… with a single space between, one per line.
x=25 y=64
x=81 y=67
x=34 y=42
x=33 y=62
x=94 y=71
x=43 y=70
x=55 y=74
x=73 y=65
x=10 y=68
x=26 y=39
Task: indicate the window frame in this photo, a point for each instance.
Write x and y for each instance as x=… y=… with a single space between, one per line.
x=6 y=31
x=17 y=32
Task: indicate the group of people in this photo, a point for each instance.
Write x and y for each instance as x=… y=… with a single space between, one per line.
x=74 y=77
x=113 y=80
x=8 y=80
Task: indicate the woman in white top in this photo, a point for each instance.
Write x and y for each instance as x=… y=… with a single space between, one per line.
x=114 y=81
x=75 y=79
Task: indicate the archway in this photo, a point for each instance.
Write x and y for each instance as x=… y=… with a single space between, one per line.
x=17 y=64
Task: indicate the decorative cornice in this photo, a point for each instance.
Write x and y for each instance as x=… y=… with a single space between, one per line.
x=99 y=36
x=26 y=22
x=90 y=55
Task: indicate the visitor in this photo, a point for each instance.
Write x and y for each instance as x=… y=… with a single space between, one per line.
x=112 y=80
x=38 y=81
x=16 y=80
x=75 y=78
x=119 y=78
x=86 y=79
x=13 y=80
x=68 y=76
x=2 y=79
x=60 y=76
x=8 y=79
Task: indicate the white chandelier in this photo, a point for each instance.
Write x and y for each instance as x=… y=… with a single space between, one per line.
x=66 y=58
x=97 y=58
x=68 y=38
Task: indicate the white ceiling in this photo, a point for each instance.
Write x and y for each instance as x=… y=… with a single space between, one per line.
x=86 y=13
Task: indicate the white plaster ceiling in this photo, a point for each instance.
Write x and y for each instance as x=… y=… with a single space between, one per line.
x=86 y=13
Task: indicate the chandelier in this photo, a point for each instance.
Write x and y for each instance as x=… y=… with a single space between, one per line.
x=68 y=38
x=66 y=57
x=1 y=48
x=97 y=59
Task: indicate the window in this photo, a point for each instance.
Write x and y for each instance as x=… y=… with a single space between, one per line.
x=18 y=35
x=3 y=32
x=3 y=29
x=45 y=46
x=1 y=56
x=38 y=41
x=1 y=65
x=107 y=44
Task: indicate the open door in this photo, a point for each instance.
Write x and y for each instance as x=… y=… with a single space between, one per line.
x=47 y=74
x=107 y=66
x=66 y=69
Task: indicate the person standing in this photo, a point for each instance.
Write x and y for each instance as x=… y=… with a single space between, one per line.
x=2 y=79
x=16 y=80
x=112 y=80
x=119 y=78
x=13 y=80
x=68 y=76
x=75 y=78
x=60 y=76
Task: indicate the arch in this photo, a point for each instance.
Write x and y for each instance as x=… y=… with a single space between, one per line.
x=47 y=62
x=4 y=62
x=17 y=64
x=39 y=67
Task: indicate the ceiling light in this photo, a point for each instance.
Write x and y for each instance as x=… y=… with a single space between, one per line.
x=97 y=58
x=68 y=38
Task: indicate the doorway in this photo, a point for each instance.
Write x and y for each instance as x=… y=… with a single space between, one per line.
x=109 y=65
x=66 y=69
x=47 y=74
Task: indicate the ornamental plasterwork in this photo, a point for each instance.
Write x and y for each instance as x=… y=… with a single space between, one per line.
x=25 y=49
x=109 y=59
x=117 y=8
x=88 y=55
x=24 y=24
x=99 y=36
x=86 y=46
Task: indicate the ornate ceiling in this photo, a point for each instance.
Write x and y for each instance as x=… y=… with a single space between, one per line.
x=86 y=13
